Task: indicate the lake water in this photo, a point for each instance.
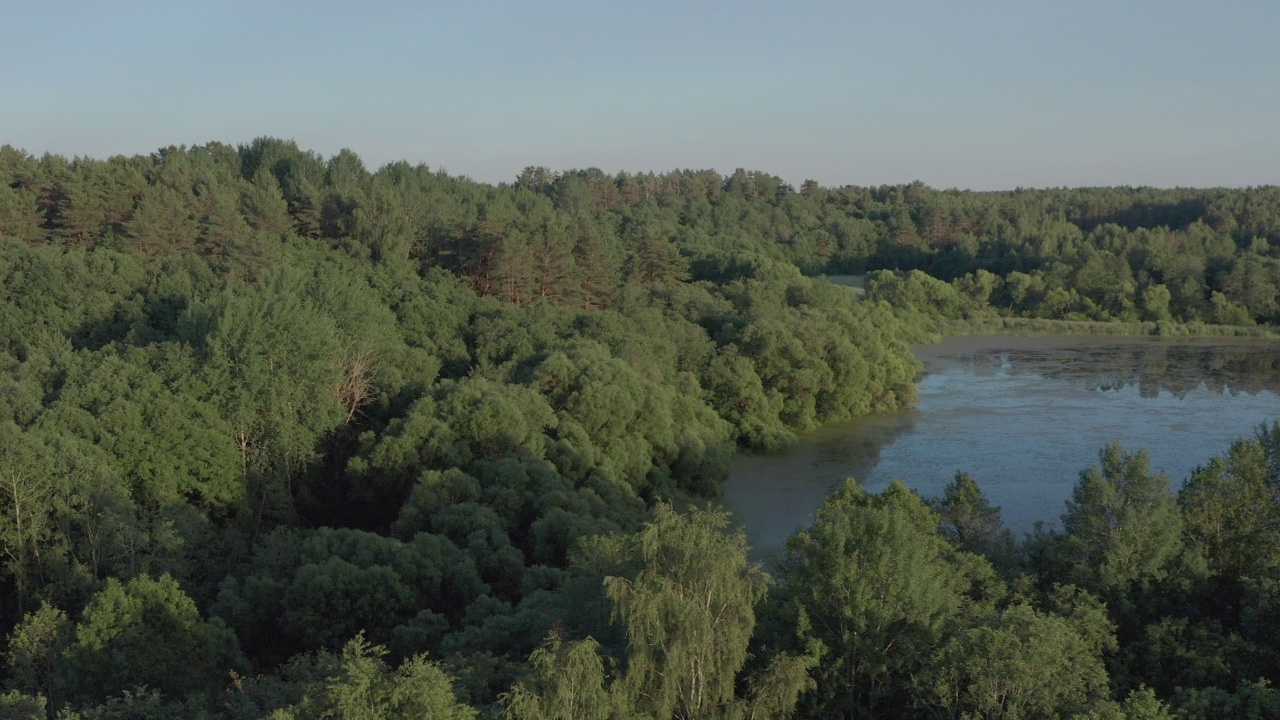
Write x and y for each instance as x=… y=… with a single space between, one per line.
x=1024 y=416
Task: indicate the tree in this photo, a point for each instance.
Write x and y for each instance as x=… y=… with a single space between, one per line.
x=872 y=588
x=165 y=221
x=739 y=396
x=147 y=633
x=18 y=214
x=979 y=285
x=599 y=272
x=306 y=206
x=329 y=599
x=566 y=682
x=169 y=447
x=1251 y=700
x=1231 y=514
x=36 y=648
x=919 y=291
x=17 y=706
x=968 y=520
x=1252 y=284
x=27 y=492
x=263 y=205
x=1122 y=524
x=1155 y=303
x=1225 y=312
x=222 y=229
x=75 y=207
x=1023 y=664
x=316 y=590
x=689 y=614
x=359 y=685
x=273 y=361
x=385 y=226
x=656 y=261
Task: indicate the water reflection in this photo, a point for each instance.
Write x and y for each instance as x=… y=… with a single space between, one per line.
x=1152 y=365
x=775 y=494
x=1024 y=415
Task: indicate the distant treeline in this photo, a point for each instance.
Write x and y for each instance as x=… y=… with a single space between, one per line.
x=1097 y=253
x=282 y=437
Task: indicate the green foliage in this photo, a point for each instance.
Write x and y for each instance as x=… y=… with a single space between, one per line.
x=144 y=633
x=689 y=615
x=1155 y=303
x=828 y=357
x=645 y=434
x=1176 y=652
x=968 y=520
x=88 y=298
x=322 y=403
x=566 y=681
x=17 y=706
x=359 y=685
x=169 y=446
x=775 y=691
x=1250 y=700
x=325 y=587
x=1122 y=523
x=141 y=705
x=1142 y=704
x=19 y=218
x=873 y=589
x=36 y=648
x=1231 y=511
x=917 y=290
x=273 y=363
x=1022 y=664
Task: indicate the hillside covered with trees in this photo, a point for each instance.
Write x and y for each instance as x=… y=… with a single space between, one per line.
x=281 y=437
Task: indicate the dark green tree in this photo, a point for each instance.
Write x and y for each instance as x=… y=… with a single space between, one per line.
x=873 y=589
x=1023 y=664
x=147 y=633
x=967 y=519
x=1122 y=524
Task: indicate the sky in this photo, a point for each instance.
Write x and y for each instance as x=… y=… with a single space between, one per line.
x=981 y=95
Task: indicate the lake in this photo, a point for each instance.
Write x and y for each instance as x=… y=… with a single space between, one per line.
x=1024 y=416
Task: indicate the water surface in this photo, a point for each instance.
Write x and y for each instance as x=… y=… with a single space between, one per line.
x=1024 y=416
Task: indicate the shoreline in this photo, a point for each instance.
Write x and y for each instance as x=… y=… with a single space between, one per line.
x=1120 y=328
x=772 y=494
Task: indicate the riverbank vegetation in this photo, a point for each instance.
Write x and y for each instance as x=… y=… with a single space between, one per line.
x=283 y=437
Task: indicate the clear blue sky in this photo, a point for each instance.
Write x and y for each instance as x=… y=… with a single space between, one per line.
x=982 y=95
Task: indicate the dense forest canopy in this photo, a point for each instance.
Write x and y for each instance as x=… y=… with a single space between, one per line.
x=283 y=437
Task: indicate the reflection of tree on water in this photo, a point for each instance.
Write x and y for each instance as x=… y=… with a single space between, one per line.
x=841 y=454
x=772 y=495
x=1151 y=366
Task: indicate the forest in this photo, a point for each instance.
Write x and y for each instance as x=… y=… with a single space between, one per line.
x=283 y=437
